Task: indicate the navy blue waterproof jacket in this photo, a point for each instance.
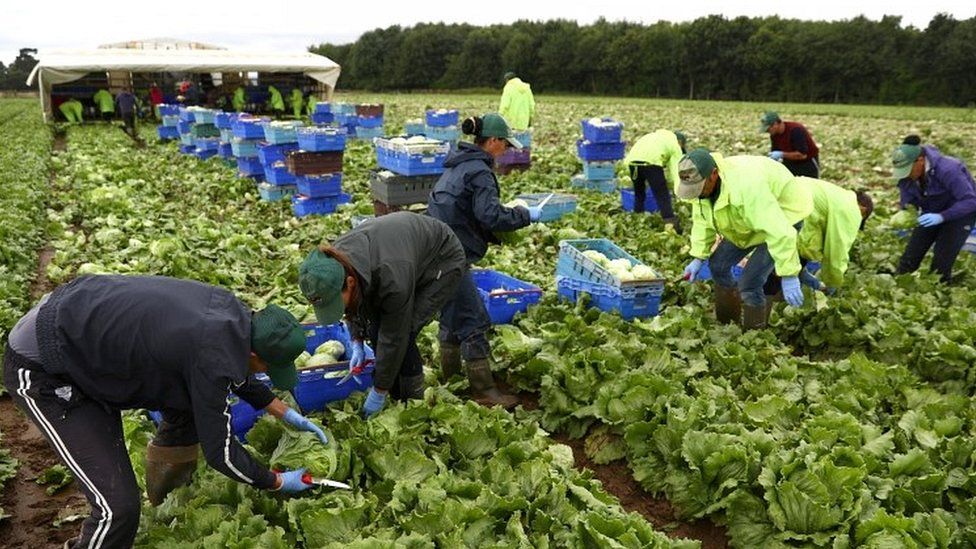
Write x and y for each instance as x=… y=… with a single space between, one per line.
x=466 y=198
x=948 y=187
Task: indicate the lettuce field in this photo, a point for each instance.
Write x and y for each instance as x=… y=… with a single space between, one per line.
x=849 y=422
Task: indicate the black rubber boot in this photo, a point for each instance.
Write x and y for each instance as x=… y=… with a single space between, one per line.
x=728 y=305
x=450 y=360
x=755 y=317
x=168 y=468
x=411 y=387
x=483 y=389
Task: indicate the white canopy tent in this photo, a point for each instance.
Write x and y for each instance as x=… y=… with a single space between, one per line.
x=59 y=67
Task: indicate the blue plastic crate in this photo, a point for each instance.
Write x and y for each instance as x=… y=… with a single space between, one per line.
x=416 y=127
x=590 y=151
x=322 y=118
x=268 y=153
x=320 y=186
x=322 y=107
x=248 y=128
x=304 y=205
x=225 y=120
x=203 y=116
x=204 y=154
x=639 y=303
x=446 y=133
x=278 y=174
x=502 y=306
x=317 y=140
x=184 y=127
x=403 y=162
x=186 y=139
x=347 y=119
x=245 y=148
x=524 y=137
x=272 y=193
x=370 y=121
x=573 y=263
x=599 y=170
x=558 y=206
x=600 y=185
x=441 y=119
x=188 y=149
x=224 y=150
x=627 y=201
x=278 y=135
x=343 y=108
x=207 y=143
x=171 y=120
x=167 y=132
x=318 y=386
x=226 y=135
x=250 y=166
x=368 y=133
x=168 y=110
x=608 y=132
x=186 y=115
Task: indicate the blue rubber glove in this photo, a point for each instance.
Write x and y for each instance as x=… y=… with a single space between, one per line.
x=691 y=271
x=357 y=355
x=302 y=423
x=776 y=155
x=792 y=292
x=930 y=220
x=810 y=280
x=291 y=481
x=374 y=403
x=535 y=213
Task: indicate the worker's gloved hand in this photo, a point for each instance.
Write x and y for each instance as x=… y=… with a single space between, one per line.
x=791 y=291
x=691 y=271
x=535 y=213
x=302 y=423
x=374 y=403
x=357 y=355
x=806 y=277
x=930 y=220
x=291 y=481
x=776 y=155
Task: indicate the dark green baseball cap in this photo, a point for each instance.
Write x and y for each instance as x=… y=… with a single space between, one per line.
x=509 y=75
x=902 y=159
x=693 y=169
x=768 y=119
x=494 y=125
x=277 y=338
x=320 y=278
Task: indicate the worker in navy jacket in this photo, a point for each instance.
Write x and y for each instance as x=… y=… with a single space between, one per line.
x=943 y=191
x=105 y=343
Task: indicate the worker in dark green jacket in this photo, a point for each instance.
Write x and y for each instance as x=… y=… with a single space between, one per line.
x=388 y=276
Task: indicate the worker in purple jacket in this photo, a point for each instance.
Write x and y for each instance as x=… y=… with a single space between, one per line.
x=944 y=192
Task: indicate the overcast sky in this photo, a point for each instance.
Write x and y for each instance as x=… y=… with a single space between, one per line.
x=56 y=24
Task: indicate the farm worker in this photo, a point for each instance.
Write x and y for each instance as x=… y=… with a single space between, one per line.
x=943 y=191
x=105 y=343
x=466 y=197
x=126 y=102
x=106 y=103
x=297 y=100
x=757 y=206
x=517 y=105
x=155 y=98
x=388 y=277
x=791 y=144
x=647 y=161
x=71 y=109
x=239 y=100
x=275 y=102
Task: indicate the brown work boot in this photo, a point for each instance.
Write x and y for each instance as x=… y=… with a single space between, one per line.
x=728 y=305
x=483 y=389
x=450 y=360
x=755 y=317
x=168 y=468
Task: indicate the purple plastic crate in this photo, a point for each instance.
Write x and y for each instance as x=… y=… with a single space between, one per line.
x=304 y=205
x=320 y=186
x=590 y=151
x=627 y=201
x=608 y=132
x=269 y=153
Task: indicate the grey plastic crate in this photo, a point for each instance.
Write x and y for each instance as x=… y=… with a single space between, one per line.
x=398 y=190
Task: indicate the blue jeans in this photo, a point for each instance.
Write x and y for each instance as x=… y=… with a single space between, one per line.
x=758 y=269
x=465 y=321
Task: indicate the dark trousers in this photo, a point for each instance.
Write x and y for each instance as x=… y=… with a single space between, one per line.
x=646 y=174
x=465 y=321
x=808 y=168
x=948 y=239
x=412 y=365
x=129 y=119
x=88 y=438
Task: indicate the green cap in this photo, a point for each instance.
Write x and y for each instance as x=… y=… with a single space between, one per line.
x=902 y=159
x=768 y=119
x=321 y=277
x=493 y=125
x=693 y=169
x=509 y=75
x=277 y=338
x=682 y=138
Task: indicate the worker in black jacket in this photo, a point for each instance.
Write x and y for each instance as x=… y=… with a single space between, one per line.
x=388 y=276
x=105 y=343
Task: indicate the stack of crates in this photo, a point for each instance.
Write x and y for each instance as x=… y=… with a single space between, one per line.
x=206 y=135
x=344 y=115
x=414 y=126
x=409 y=169
x=170 y=115
x=185 y=128
x=322 y=115
x=579 y=270
x=442 y=125
x=599 y=150
x=247 y=132
x=316 y=165
x=516 y=159
x=224 y=122
x=280 y=138
x=369 y=121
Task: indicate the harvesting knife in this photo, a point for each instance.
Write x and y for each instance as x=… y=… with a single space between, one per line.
x=307 y=479
x=354 y=373
x=546 y=200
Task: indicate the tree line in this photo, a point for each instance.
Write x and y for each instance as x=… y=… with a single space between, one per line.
x=14 y=76
x=753 y=59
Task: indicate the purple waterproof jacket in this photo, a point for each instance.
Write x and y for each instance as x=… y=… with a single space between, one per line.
x=949 y=187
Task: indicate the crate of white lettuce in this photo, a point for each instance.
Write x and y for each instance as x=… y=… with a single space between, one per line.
x=614 y=279
x=415 y=155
